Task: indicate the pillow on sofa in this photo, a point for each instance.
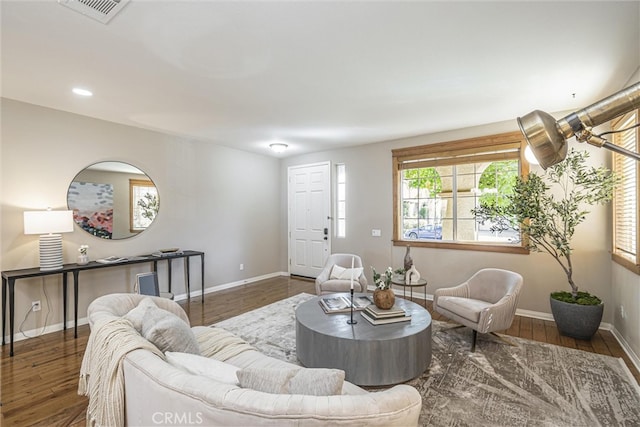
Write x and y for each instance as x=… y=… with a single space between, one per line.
x=203 y=366
x=342 y=273
x=162 y=328
x=307 y=381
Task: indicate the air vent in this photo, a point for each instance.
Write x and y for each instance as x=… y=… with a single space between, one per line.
x=100 y=10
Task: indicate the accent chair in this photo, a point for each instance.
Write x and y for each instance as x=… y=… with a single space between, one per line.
x=336 y=275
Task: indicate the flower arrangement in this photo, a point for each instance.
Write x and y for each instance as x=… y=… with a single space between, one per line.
x=382 y=282
x=83 y=249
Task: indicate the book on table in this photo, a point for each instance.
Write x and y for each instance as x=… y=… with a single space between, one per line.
x=384 y=320
x=378 y=313
x=342 y=303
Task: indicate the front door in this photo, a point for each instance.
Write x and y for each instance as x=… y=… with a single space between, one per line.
x=309 y=218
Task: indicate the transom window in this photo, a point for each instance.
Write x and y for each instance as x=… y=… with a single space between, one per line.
x=437 y=186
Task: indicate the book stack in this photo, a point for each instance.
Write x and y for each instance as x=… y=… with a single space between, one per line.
x=342 y=303
x=377 y=316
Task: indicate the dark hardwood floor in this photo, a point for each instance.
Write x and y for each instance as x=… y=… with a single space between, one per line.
x=39 y=384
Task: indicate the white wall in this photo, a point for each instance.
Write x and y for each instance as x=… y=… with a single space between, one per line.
x=222 y=201
x=369 y=205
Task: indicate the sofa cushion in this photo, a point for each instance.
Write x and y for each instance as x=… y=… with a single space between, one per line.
x=163 y=329
x=342 y=273
x=204 y=366
x=305 y=381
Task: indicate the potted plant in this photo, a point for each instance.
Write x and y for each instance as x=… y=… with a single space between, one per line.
x=383 y=296
x=548 y=208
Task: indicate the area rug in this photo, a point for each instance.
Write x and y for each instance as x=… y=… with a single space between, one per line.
x=524 y=384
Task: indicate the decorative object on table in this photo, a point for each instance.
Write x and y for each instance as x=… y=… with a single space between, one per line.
x=548 y=208
x=111 y=260
x=408 y=261
x=167 y=252
x=412 y=276
x=83 y=258
x=49 y=224
x=383 y=296
x=351 y=321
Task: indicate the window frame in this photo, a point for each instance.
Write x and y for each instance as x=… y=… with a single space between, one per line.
x=133 y=203
x=626 y=261
x=464 y=147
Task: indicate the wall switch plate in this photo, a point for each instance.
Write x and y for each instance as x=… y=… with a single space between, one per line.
x=376 y=233
x=241 y=267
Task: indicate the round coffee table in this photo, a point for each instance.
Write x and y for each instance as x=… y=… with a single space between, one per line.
x=370 y=355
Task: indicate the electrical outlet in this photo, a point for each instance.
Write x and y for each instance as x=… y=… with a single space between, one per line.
x=622 y=313
x=35 y=306
x=241 y=267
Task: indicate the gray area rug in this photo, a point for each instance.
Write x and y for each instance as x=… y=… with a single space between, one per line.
x=527 y=384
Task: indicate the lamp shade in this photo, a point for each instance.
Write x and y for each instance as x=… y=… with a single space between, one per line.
x=46 y=222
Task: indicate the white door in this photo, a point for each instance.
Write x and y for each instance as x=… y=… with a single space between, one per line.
x=309 y=218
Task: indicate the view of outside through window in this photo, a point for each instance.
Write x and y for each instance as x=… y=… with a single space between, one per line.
x=341 y=201
x=437 y=202
x=144 y=200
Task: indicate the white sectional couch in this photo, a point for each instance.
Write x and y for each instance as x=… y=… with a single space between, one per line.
x=159 y=393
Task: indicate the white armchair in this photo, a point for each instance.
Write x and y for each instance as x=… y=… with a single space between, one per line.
x=485 y=303
x=332 y=280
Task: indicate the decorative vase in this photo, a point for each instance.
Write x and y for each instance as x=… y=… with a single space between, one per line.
x=83 y=259
x=408 y=261
x=575 y=320
x=384 y=298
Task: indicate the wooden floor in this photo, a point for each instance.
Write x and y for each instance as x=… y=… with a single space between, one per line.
x=39 y=384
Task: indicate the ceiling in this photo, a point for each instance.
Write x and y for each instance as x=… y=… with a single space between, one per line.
x=317 y=74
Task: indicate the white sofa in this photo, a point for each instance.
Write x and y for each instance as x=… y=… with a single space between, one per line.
x=158 y=393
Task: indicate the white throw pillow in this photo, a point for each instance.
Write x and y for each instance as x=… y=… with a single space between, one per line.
x=200 y=365
x=342 y=273
x=306 y=381
x=162 y=328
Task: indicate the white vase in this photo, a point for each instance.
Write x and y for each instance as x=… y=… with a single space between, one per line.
x=83 y=259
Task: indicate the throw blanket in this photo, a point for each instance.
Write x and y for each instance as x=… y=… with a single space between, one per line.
x=219 y=343
x=101 y=373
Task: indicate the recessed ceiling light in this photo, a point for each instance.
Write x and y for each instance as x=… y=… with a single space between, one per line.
x=278 y=147
x=82 y=92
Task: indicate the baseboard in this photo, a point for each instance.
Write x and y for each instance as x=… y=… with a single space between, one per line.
x=181 y=297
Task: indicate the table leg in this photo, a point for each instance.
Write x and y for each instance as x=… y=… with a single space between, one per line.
x=187 y=262
x=12 y=313
x=76 y=273
x=169 y=271
x=64 y=300
x=4 y=308
x=202 y=282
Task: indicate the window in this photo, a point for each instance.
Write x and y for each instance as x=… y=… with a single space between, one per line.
x=143 y=199
x=436 y=187
x=341 y=201
x=626 y=218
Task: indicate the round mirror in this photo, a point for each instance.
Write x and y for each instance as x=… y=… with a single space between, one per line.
x=113 y=200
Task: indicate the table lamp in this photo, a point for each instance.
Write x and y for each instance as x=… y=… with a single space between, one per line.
x=48 y=224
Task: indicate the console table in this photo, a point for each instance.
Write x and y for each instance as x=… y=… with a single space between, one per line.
x=9 y=280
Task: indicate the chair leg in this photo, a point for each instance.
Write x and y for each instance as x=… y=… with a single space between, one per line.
x=473 y=344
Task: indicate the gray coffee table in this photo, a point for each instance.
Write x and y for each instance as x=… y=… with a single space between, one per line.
x=370 y=355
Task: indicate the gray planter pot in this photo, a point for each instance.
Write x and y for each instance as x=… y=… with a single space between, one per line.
x=575 y=320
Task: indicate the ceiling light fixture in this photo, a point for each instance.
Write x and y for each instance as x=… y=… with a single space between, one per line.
x=278 y=147
x=548 y=137
x=82 y=92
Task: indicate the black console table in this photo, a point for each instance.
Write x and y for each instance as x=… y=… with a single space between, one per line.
x=9 y=279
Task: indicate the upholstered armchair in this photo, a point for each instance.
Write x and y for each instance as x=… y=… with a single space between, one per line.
x=485 y=303
x=336 y=275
